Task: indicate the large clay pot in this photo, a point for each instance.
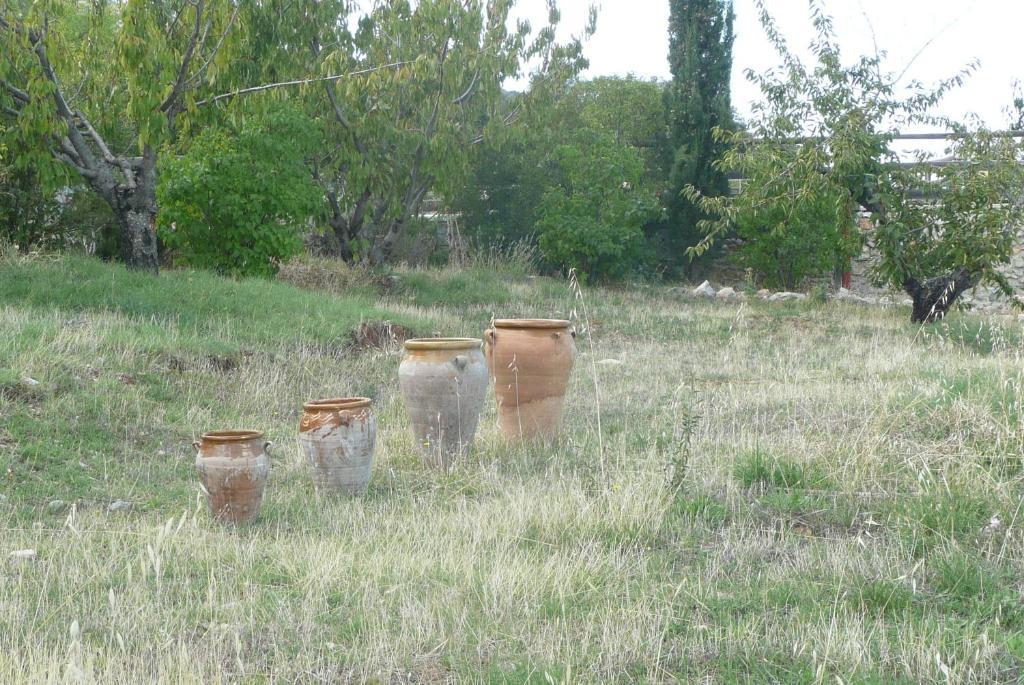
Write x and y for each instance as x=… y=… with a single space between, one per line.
x=233 y=467
x=530 y=360
x=338 y=437
x=444 y=383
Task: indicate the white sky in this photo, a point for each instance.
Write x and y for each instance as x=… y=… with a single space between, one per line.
x=632 y=37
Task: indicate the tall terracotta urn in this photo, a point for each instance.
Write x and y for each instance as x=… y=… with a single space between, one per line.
x=444 y=383
x=233 y=467
x=338 y=437
x=530 y=360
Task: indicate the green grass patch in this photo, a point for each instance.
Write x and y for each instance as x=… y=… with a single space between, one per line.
x=760 y=468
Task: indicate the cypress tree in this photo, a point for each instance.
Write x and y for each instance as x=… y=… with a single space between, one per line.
x=696 y=101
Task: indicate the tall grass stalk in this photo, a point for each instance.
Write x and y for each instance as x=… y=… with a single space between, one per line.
x=577 y=290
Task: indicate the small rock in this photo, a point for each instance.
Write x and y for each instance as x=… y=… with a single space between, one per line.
x=764 y=293
x=845 y=295
x=908 y=302
x=704 y=290
x=119 y=505
x=726 y=294
x=610 y=362
x=56 y=506
x=22 y=555
x=787 y=297
x=29 y=382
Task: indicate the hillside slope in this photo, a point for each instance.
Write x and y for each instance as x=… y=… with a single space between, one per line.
x=777 y=492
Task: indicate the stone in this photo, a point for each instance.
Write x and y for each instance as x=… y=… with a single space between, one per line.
x=29 y=382
x=21 y=556
x=119 y=505
x=56 y=506
x=764 y=293
x=704 y=290
x=726 y=294
x=787 y=297
x=610 y=362
x=844 y=295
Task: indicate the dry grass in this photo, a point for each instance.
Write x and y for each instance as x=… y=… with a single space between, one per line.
x=793 y=493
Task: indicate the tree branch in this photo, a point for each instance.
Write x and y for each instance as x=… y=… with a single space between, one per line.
x=109 y=157
x=301 y=82
x=16 y=93
x=186 y=59
x=469 y=91
x=81 y=147
x=216 y=49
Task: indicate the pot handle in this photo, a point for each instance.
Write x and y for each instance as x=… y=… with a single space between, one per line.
x=459 y=361
x=489 y=347
x=197 y=444
x=266 y=447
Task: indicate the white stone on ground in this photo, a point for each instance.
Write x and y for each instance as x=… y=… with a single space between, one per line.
x=704 y=290
x=787 y=297
x=21 y=555
x=726 y=294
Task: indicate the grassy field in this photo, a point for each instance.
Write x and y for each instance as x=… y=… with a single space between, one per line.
x=792 y=492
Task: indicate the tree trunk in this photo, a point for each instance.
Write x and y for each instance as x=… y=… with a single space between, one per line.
x=934 y=297
x=133 y=201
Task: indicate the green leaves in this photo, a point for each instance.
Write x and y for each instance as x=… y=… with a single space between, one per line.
x=592 y=220
x=817 y=149
x=237 y=200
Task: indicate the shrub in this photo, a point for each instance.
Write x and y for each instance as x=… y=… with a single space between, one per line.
x=593 y=219
x=236 y=202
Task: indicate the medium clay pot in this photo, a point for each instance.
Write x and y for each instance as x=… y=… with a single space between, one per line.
x=233 y=467
x=338 y=437
x=530 y=360
x=444 y=383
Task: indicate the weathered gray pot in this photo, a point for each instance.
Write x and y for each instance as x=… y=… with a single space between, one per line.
x=338 y=438
x=444 y=384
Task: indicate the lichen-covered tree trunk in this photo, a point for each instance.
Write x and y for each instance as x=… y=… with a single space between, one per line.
x=136 y=211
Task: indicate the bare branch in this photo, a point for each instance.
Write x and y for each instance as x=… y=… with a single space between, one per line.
x=81 y=147
x=469 y=91
x=216 y=49
x=16 y=93
x=186 y=60
x=105 y=151
x=301 y=82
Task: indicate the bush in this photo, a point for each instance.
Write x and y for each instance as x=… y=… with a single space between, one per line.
x=593 y=219
x=236 y=202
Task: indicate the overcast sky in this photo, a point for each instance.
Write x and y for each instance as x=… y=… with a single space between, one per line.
x=944 y=35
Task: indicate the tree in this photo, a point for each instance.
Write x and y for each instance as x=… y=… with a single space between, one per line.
x=394 y=136
x=96 y=89
x=818 y=150
x=621 y=117
x=696 y=102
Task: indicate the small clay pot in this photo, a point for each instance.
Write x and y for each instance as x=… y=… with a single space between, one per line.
x=530 y=360
x=444 y=384
x=233 y=467
x=338 y=437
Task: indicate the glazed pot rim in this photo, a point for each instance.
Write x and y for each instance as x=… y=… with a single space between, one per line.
x=443 y=343
x=231 y=435
x=338 y=404
x=532 y=323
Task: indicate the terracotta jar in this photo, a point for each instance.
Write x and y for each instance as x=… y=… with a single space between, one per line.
x=530 y=360
x=233 y=467
x=338 y=437
x=444 y=384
